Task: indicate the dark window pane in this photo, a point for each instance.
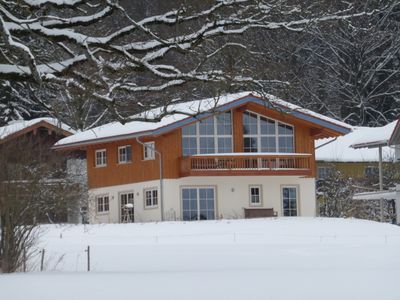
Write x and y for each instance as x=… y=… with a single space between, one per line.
x=267 y=126
x=189 y=130
x=206 y=127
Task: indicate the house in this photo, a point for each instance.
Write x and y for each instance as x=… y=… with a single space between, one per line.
x=233 y=156
x=358 y=163
x=40 y=133
x=378 y=139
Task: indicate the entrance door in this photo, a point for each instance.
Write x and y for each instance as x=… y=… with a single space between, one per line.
x=126 y=208
x=198 y=203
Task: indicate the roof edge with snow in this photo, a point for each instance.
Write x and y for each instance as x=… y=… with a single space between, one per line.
x=242 y=98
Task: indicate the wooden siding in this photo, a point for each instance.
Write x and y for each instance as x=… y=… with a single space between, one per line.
x=170 y=145
x=356 y=170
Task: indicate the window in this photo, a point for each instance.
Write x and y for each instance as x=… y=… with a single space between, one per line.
x=151 y=198
x=101 y=158
x=148 y=151
x=211 y=135
x=126 y=203
x=103 y=204
x=289 y=199
x=124 y=154
x=324 y=172
x=255 y=195
x=371 y=171
x=261 y=134
x=198 y=203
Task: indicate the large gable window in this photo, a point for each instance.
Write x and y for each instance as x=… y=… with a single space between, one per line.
x=211 y=135
x=261 y=134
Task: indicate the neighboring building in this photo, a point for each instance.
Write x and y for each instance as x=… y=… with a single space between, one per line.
x=238 y=156
x=359 y=164
x=41 y=133
x=378 y=139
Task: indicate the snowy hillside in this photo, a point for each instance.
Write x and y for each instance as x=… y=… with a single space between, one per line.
x=285 y=258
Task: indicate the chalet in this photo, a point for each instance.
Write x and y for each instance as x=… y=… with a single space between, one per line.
x=235 y=156
x=19 y=137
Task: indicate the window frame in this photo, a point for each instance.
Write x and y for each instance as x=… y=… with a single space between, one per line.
x=151 y=190
x=197 y=188
x=149 y=147
x=276 y=134
x=103 y=204
x=216 y=136
x=374 y=171
x=103 y=158
x=297 y=200
x=260 y=195
x=126 y=161
x=328 y=172
x=127 y=193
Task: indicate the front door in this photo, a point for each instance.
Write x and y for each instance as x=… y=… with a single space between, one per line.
x=198 y=203
x=126 y=208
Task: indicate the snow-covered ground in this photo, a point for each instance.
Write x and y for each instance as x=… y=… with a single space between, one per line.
x=284 y=258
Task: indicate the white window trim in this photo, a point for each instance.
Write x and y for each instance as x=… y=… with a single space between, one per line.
x=198 y=198
x=215 y=135
x=297 y=199
x=152 y=199
x=95 y=158
x=104 y=212
x=119 y=157
x=120 y=202
x=276 y=134
x=152 y=146
x=259 y=186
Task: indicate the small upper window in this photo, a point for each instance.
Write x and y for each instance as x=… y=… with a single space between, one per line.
x=371 y=171
x=124 y=154
x=151 y=198
x=101 y=158
x=324 y=172
x=148 y=151
x=103 y=204
x=255 y=195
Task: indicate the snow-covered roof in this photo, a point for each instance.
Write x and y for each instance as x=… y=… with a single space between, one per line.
x=16 y=126
x=180 y=114
x=395 y=137
x=377 y=136
x=341 y=150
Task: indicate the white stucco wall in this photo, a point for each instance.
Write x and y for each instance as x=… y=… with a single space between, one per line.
x=232 y=196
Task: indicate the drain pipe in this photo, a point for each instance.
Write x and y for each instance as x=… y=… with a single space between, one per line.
x=161 y=176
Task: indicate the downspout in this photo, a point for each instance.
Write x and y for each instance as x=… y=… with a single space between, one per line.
x=381 y=180
x=161 y=176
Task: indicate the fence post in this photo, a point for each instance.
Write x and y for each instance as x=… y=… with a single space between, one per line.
x=88 y=258
x=42 y=260
x=24 y=259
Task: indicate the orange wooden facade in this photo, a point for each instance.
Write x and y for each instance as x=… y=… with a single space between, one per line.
x=170 y=145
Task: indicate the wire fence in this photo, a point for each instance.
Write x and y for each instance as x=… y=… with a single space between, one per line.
x=80 y=257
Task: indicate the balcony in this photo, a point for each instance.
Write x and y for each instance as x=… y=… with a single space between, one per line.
x=239 y=164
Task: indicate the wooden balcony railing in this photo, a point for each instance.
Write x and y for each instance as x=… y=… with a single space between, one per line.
x=246 y=163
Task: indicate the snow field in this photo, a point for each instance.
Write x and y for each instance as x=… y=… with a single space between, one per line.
x=283 y=258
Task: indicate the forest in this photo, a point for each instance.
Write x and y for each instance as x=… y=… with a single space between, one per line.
x=91 y=62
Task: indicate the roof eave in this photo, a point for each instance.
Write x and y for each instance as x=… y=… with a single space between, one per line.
x=76 y=145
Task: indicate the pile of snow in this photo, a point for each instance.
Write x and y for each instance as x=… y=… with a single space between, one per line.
x=15 y=126
x=282 y=258
x=340 y=150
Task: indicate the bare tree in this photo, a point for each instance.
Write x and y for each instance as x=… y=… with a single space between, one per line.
x=352 y=71
x=130 y=62
x=33 y=189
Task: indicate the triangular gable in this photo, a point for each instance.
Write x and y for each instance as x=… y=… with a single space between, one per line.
x=15 y=130
x=116 y=131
